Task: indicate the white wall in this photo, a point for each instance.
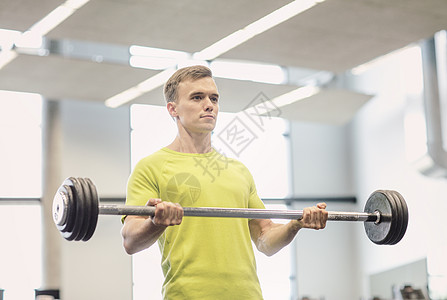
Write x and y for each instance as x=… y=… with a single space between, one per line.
x=378 y=144
x=95 y=144
x=321 y=160
x=327 y=259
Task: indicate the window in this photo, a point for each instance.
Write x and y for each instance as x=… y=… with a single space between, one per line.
x=236 y=136
x=20 y=145
x=20 y=177
x=20 y=253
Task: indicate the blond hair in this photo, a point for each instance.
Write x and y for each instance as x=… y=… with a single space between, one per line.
x=183 y=74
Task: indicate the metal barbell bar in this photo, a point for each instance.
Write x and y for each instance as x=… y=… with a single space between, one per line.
x=248 y=213
x=76 y=208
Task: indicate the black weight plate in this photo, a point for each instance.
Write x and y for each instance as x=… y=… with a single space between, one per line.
x=378 y=233
x=397 y=218
x=59 y=207
x=87 y=209
x=94 y=209
x=68 y=208
x=71 y=203
x=404 y=216
x=79 y=214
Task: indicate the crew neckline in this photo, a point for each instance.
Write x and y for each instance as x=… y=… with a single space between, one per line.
x=212 y=152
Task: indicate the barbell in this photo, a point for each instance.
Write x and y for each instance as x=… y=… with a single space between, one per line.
x=76 y=208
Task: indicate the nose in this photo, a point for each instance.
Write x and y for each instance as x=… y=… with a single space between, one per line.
x=208 y=104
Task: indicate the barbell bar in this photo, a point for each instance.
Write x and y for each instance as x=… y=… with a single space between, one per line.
x=76 y=208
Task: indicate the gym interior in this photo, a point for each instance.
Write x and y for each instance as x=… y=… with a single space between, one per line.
x=331 y=100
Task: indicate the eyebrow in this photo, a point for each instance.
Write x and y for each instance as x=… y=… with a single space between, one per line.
x=202 y=93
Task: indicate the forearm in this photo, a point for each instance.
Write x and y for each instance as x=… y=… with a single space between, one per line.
x=139 y=234
x=276 y=237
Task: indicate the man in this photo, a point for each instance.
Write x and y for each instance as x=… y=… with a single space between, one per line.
x=202 y=258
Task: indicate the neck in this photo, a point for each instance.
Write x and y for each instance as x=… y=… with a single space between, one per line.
x=189 y=144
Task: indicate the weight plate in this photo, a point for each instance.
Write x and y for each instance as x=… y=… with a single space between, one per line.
x=68 y=209
x=397 y=218
x=86 y=211
x=94 y=202
x=79 y=209
x=60 y=207
x=404 y=217
x=380 y=232
x=71 y=206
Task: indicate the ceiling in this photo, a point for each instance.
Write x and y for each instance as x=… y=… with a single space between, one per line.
x=334 y=36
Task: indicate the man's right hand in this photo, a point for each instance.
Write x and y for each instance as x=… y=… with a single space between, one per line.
x=166 y=213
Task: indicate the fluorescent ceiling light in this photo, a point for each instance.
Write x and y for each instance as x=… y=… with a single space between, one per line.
x=57 y=16
x=265 y=108
x=295 y=95
x=155 y=81
x=381 y=60
x=123 y=97
x=6 y=57
x=29 y=39
x=192 y=62
x=7 y=38
x=33 y=36
x=157 y=52
x=136 y=91
x=155 y=58
x=266 y=73
x=153 y=63
x=269 y=21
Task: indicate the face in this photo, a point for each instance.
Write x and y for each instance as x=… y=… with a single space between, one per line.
x=196 y=106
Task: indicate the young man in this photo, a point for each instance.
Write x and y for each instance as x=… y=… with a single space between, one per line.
x=202 y=258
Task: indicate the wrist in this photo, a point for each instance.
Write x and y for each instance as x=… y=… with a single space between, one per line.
x=295 y=226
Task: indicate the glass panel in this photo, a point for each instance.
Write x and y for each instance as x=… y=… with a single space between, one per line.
x=20 y=145
x=20 y=253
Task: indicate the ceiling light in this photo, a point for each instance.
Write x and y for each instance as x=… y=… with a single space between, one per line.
x=155 y=81
x=157 y=52
x=265 y=23
x=283 y=100
x=295 y=95
x=29 y=39
x=235 y=39
x=34 y=35
x=123 y=97
x=7 y=38
x=155 y=58
x=6 y=57
x=239 y=70
x=50 y=21
x=136 y=91
x=57 y=16
x=153 y=63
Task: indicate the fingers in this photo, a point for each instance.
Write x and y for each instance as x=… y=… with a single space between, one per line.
x=166 y=213
x=322 y=205
x=153 y=202
x=314 y=217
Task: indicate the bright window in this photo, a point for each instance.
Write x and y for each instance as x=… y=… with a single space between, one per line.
x=260 y=144
x=20 y=253
x=20 y=177
x=20 y=145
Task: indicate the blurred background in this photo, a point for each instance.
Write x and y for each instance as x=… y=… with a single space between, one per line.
x=331 y=100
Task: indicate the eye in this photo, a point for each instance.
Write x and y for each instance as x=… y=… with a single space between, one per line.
x=214 y=99
x=197 y=97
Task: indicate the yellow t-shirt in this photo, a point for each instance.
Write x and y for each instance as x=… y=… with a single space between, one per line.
x=203 y=258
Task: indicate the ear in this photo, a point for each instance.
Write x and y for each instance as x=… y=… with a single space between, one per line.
x=172 y=109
